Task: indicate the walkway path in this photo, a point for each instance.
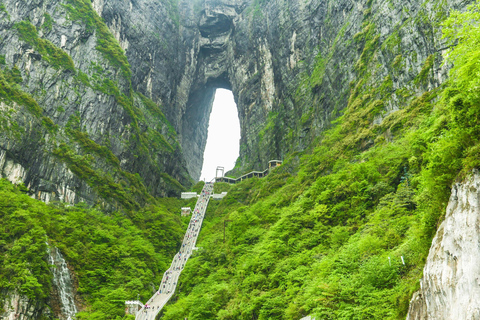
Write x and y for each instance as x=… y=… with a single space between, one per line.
x=259 y=174
x=170 y=277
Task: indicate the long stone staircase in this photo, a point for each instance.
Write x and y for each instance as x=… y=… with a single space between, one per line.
x=170 y=278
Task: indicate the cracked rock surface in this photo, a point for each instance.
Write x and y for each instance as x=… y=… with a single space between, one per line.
x=450 y=288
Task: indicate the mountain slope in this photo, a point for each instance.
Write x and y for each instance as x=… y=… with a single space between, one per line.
x=74 y=128
x=343 y=231
x=352 y=95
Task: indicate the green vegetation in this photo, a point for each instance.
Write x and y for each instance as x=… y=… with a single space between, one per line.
x=156 y=138
x=101 y=182
x=316 y=77
x=156 y=112
x=13 y=76
x=110 y=87
x=426 y=70
x=197 y=187
x=324 y=234
x=56 y=57
x=152 y=107
x=81 y=10
x=118 y=186
x=49 y=125
x=222 y=187
x=326 y=237
x=171 y=181
x=370 y=42
x=461 y=95
x=4 y=10
x=315 y=243
x=270 y=126
x=10 y=92
x=397 y=63
x=74 y=131
x=143 y=140
x=114 y=257
x=47 y=23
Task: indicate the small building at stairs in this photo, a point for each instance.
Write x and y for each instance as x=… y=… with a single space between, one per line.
x=186 y=211
x=132 y=307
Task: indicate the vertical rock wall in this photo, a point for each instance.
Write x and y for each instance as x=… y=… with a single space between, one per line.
x=450 y=288
x=19 y=307
x=291 y=64
x=71 y=126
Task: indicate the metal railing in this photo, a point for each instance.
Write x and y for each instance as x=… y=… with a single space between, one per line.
x=259 y=174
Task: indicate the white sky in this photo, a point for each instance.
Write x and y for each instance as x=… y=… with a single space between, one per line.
x=223 y=141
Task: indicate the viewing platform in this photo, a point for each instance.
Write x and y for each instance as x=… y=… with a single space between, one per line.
x=188 y=195
x=259 y=174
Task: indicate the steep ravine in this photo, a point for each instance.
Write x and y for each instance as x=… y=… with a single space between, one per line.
x=450 y=287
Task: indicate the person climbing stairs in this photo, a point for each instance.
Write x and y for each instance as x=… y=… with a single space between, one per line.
x=170 y=278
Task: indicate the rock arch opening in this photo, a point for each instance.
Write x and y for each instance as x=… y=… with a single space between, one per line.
x=212 y=62
x=195 y=122
x=223 y=140
x=221 y=58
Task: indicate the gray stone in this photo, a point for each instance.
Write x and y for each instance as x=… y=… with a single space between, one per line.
x=263 y=53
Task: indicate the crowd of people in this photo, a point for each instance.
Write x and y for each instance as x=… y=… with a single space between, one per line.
x=170 y=277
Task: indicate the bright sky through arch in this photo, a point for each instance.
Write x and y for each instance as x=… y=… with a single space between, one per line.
x=223 y=141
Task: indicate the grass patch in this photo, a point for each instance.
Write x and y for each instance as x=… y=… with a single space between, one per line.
x=47 y=23
x=55 y=56
x=81 y=10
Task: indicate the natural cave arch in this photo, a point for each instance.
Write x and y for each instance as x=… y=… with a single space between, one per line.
x=195 y=122
x=214 y=59
x=214 y=44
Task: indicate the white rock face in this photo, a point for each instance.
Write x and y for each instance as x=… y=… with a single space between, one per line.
x=14 y=172
x=18 y=307
x=451 y=283
x=63 y=41
x=98 y=6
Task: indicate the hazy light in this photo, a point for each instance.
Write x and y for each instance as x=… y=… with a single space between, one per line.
x=223 y=141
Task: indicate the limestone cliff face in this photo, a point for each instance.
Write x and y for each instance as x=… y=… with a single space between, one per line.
x=179 y=53
x=18 y=307
x=114 y=110
x=73 y=128
x=292 y=65
x=450 y=288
